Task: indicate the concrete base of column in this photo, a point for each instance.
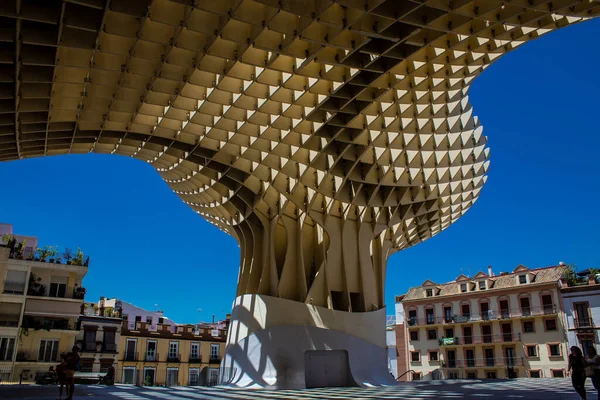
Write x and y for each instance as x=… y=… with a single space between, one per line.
x=282 y=344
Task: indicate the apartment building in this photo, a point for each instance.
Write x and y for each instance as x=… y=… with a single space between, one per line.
x=163 y=354
x=40 y=302
x=98 y=338
x=581 y=302
x=134 y=314
x=486 y=326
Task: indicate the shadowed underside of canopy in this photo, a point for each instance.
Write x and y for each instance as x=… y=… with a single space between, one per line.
x=323 y=135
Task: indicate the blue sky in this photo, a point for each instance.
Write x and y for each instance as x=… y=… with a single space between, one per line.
x=539 y=106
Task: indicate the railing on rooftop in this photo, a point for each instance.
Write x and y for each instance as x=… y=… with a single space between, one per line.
x=487 y=316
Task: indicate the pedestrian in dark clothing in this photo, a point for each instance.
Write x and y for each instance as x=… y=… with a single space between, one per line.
x=576 y=367
x=594 y=363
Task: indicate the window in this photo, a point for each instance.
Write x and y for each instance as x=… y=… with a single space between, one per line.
x=172 y=377
x=522 y=279
x=161 y=320
x=414 y=335
x=125 y=317
x=463 y=288
x=558 y=373
x=7 y=348
x=415 y=356
x=470 y=357
x=15 y=282
x=432 y=334
x=149 y=376
x=412 y=317
x=554 y=350
x=128 y=376
x=151 y=350
x=491 y=374
x=89 y=340
x=482 y=285
x=214 y=351
x=486 y=332
x=471 y=375
x=174 y=350
x=195 y=351
x=430 y=316
x=547 y=304
x=194 y=377
x=58 y=286
x=531 y=350
x=525 y=306
x=416 y=376
x=149 y=320
x=109 y=340
x=449 y=332
x=550 y=324
x=138 y=318
x=48 y=350
x=213 y=374
x=453 y=375
x=535 y=373
x=447 y=314
x=433 y=356
x=429 y=292
x=466 y=310
x=528 y=326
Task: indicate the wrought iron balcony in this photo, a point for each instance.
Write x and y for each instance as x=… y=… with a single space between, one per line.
x=151 y=357
x=583 y=323
x=480 y=339
x=195 y=359
x=173 y=357
x=485 y=362
x=131 y=357
x=484 y=316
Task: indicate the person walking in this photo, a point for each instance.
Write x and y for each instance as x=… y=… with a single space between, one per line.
x=593 y=362
x=61 y=372
x=73 y=364
x=576 y=367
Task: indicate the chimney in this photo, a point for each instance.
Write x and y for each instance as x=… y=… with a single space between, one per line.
x=490 y=273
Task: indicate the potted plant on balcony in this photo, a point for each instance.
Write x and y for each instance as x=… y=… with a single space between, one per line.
x=78 y=258
x=19 y=249
x=43 y=254
x=51 y=253
x=68 y=255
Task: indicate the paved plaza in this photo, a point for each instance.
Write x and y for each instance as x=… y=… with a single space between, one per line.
x=459 y=389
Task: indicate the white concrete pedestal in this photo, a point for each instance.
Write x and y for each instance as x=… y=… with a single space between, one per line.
x=283 y=344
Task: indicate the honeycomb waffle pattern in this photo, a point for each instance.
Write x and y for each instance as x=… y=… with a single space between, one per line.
x=324 y=135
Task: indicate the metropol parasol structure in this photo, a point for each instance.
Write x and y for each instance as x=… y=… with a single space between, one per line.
x=323 y=135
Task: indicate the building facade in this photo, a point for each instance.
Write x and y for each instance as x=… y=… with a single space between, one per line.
x=170 y=355
x=486 y=326
x=581 y=302
x=133 y=314
x=98 y=338
x=40 y=302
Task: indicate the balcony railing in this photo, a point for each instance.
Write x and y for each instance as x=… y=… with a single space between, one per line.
x=479 y=339
x=131 y=356
x=215 y=359
x=584 y=323
x=486 y=316
x=151 y=357
x=173 y=357
x=195 y=359
x=9 y=320
x=109 y=347
x=485 y=362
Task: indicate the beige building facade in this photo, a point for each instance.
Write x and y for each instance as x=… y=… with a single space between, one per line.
x=505 y=326
x=40 y=303
x=170 y=356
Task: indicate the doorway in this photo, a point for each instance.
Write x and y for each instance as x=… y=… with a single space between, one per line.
x=509 y=354
x=130 y=350
x=327 y=368
x=451 y=355
x=128 y=376
x=149 y=376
